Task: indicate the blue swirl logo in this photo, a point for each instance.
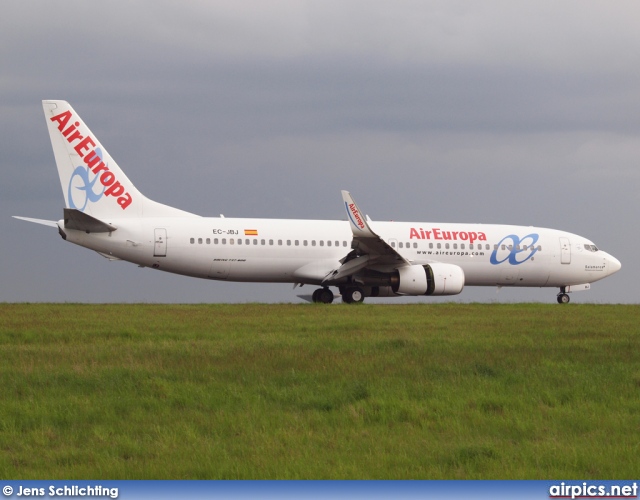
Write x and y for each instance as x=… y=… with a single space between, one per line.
x=81 y=181
x=517 y=251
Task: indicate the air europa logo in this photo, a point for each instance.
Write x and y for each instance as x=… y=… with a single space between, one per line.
x=438 y=234
x=353 y=212
x=93 y=161
x=82 y=175
x=518 y=250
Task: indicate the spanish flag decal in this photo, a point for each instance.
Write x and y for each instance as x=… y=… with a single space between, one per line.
x=251 y=232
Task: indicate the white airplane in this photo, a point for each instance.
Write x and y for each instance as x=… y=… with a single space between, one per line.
x=362 y=258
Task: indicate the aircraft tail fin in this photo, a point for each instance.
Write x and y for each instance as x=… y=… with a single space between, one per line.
x=92 y=182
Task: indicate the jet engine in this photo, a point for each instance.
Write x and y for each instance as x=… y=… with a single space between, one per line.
x=432 y=279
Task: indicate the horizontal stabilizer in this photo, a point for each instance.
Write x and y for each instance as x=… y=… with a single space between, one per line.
x=75 y=219
x=51 y=223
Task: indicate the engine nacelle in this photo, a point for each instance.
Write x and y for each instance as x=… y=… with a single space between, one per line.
x=431 y=279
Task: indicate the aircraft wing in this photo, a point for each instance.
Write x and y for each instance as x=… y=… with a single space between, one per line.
x=369 y=250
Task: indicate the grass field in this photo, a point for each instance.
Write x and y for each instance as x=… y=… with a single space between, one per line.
x=314 y=391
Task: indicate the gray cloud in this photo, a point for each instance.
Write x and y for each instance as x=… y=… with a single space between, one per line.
x=496 y=111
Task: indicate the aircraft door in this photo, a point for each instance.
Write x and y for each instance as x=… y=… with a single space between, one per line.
x=160 y=242
x=565 y=251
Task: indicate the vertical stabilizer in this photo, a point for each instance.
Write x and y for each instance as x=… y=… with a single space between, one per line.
x=91 y=180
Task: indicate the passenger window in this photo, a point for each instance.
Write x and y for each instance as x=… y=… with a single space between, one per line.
x=239 y=241
x=297 y=242
x=337 y=243
x=304 y=243
x=313 y=243
x=255 y=242
x=230 y=241
x=344 y=243
x=446 y=246
x=224 y=241
x=462 y=246
x=393 y=244
x=199 y=241
x=415 y=245
x=270 y=242
x=321 y=243
x=455 y=246
x=208 y=241
x=262 y=242
x=329 y=243
x=247 y=241
x=288 y=243
x=400 y=245
x=280 y=242
x=439 y=246
x=430 y=245
x=215 y=241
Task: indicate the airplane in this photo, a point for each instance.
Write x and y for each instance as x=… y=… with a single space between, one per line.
x=360 y=257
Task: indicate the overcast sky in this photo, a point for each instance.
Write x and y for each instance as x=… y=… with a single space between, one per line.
x=437 y=111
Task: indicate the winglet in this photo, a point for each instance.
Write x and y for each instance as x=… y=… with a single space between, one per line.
x=365 y=242
x=359 y=225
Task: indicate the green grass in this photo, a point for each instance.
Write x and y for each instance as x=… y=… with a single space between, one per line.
x=313 y=391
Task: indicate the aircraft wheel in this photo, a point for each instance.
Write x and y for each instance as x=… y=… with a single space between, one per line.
x=563 y=298
x=353 y=295
x=323 y=295
x=326 y=296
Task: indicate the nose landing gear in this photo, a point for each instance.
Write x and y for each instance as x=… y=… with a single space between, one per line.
x=563 y=297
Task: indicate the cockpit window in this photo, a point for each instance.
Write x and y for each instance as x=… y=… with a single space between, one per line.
x=590 y=248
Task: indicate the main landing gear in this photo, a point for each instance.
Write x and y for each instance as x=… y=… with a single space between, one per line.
x=350 y=295
x=353 y=295
x=563 y=297
x=322 y=295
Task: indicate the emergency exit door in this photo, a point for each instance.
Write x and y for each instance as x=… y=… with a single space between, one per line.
x=160 y=244
x=565 y=251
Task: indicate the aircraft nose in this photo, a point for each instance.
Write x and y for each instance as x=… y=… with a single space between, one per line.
x=613 y=264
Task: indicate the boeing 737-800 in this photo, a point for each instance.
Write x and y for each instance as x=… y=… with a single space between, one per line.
x=361 y=258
